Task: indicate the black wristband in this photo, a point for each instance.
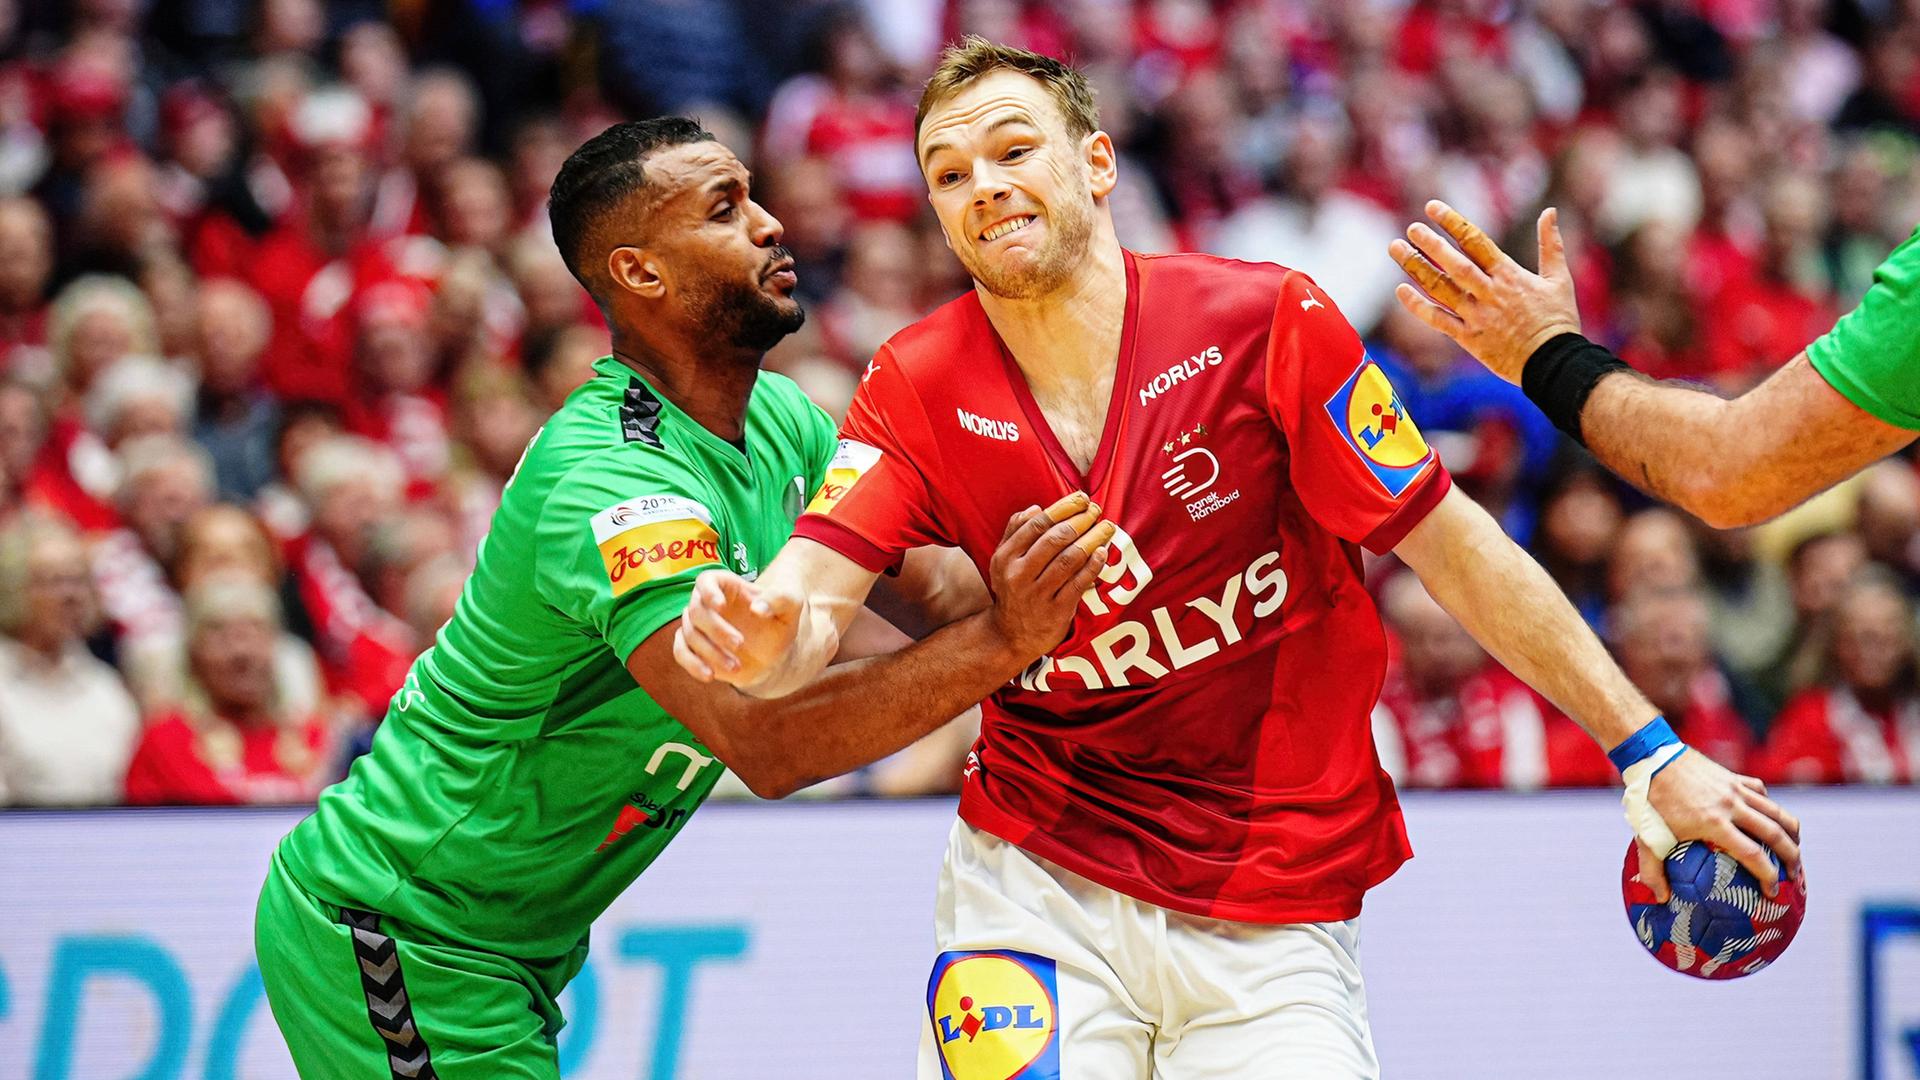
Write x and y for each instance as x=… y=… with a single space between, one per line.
x=1561 y=375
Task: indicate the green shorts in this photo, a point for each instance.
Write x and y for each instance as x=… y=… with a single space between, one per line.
x=359 y=998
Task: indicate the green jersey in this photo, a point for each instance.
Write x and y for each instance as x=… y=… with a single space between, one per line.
x=1872 y=355
x=522 y=779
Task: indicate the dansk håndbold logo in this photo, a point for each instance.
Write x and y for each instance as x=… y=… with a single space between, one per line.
x=1369 y=416
x=995 y=1015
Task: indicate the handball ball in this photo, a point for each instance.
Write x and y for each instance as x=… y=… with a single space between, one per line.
x=1718 y=924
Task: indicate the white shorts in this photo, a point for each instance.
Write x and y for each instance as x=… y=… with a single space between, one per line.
x=1044 y=975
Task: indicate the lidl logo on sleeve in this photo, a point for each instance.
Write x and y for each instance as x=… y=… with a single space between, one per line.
x=1367 y=413
x=849 y=464
x=995 y=1015
x=652 y=537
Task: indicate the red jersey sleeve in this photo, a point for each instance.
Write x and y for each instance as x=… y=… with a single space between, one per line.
x=1355 y=457
x=875 y=504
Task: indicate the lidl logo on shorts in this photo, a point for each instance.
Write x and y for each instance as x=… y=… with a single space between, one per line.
x=995 y=1015
x=1367 y=413
x=849 y=464
x=654 y=536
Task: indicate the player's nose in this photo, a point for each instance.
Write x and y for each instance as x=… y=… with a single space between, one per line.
x=989 y=186
x=767 y=230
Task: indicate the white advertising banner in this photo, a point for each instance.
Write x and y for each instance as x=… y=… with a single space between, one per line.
x=793 y=941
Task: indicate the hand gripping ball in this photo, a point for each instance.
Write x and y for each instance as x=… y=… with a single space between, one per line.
x=1718 y=924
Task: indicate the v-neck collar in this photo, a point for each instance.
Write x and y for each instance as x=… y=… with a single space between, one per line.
x=643 y=407
x=1116 y=399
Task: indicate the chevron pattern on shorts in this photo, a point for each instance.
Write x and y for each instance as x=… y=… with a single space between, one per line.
x=388 y=1007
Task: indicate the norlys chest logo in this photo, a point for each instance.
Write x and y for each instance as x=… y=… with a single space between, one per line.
x=1003 y=430
x=1191 y=368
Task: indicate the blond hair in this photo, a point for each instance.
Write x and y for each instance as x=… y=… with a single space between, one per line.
x=974 y=57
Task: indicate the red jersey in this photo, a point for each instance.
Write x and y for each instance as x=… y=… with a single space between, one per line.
x=214 y=762
x=1200 y=739
x=1827 y=736
x=1491 y=731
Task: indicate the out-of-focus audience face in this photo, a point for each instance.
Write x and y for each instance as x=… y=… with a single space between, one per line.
x=1654 y=550
x=234 y=327
x=167 y=481
x=1888 y=515
x=230 y=644
x=1662 y=643
x=1873 y=640
x=352 y=487
x=1820 y=569
x=225 y=541
x=315 y=253
x=1579 y=526
x=1436 y=652
x=26 y=254
x=54 y=604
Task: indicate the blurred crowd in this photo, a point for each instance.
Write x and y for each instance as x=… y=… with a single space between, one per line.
x=279 y=311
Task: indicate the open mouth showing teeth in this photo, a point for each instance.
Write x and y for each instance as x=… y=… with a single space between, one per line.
x=1011 y=225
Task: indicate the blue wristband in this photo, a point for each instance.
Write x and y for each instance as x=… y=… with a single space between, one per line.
x=1642 y=743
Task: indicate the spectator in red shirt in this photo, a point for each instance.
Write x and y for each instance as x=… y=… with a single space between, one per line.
x=352 y=485
x=1818 y=570
x=850 y=110
x=203 y=184
x=1450 y=716
x=441 y=114
x=167 y=480
x=1760 y=320
x=310 y=268
x=394 y=401
x=1660 y=634
x=94 y=322
x=233 y=743
x=1723 y=247
x=1655 y=318
x=1862 y=724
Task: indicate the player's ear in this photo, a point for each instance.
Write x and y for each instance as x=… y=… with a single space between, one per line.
x=637 y=271
x=1103 y=169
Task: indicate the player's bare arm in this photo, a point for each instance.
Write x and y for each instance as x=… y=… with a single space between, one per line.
x=852 y=714
x=771 y=636
x=1509 y=604
x=1797 y=436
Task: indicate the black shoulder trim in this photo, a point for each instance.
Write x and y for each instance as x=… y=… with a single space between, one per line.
x=640 y=414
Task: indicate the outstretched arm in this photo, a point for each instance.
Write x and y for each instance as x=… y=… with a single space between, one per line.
x=1728 y=462
x=1509 y=604
x=1734 y=462
x=771 y=636
x=855 y=713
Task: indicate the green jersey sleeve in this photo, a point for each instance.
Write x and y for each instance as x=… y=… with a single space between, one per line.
x=618 y=550
x=1872 y=355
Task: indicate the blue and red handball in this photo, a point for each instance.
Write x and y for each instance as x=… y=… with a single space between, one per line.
x=1718 y=924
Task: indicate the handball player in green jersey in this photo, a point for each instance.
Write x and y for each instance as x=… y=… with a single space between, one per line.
x=422 y=922
x=1850 y=399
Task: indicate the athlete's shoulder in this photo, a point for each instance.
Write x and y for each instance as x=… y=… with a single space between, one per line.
x=1215 y=276
x=950 y=338
x=605 y=438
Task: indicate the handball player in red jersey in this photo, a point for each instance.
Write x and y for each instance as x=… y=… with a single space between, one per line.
x=1169 y=822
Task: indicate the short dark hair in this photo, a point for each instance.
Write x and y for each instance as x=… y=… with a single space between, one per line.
x=604 y=171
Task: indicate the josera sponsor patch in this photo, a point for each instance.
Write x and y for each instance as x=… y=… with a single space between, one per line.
x=1367 y=412
x=850 y=462
x=654 y=536
x=995 y=1015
